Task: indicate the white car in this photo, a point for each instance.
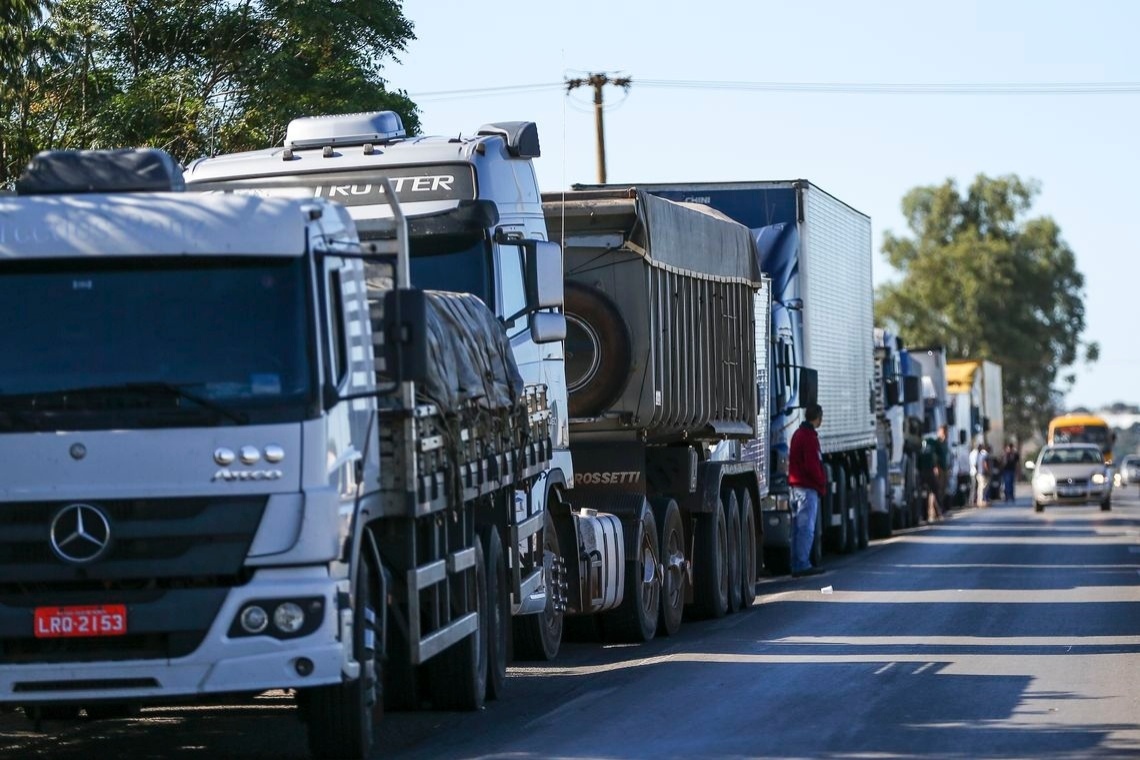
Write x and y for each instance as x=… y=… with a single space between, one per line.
x=1071 y=473
x=1129 y=470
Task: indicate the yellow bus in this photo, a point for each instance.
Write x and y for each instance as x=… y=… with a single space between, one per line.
x=1082 y=428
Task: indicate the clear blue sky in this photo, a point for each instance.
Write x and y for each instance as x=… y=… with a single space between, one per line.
x=867 y=149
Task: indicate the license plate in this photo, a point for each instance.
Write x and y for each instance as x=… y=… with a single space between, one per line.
x=90 y=620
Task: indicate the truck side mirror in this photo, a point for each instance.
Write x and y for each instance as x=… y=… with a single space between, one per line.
x=547 y=327
x=809 y=386
x=912 y=389
x=985 y=424
x=543 y=274
x=891 y=392
x=963 y=438
x=951 y=415
x=405 y=349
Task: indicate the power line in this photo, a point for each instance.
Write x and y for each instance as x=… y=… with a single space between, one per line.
x=832 y=88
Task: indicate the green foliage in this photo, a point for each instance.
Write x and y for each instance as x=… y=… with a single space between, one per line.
x=194 y=77
x=987 y=283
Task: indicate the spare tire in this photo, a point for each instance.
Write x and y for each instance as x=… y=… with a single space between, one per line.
x=598 y=357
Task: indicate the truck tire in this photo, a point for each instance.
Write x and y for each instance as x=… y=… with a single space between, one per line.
x=671 y=541
x=863 y=511
x=598 y=354
x=342 y=718
x=538 y=637
x=458 y=675
x=732 y=516
x=635 y=619
x=498 y=611
x=710 y=560
x=748 y=544
x=838 y=500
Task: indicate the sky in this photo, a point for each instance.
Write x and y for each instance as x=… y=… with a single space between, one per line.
x=472 y=62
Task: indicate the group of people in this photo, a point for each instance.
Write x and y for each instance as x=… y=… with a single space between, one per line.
x=985 y=471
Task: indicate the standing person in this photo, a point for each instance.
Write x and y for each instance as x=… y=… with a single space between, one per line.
x=983 y=476
x=1009 y=471
x=944 y=495
x=972 y=498
x=930 y=477
x=808 y=483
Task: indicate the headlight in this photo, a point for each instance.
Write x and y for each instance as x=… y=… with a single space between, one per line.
x=1045 y=481
x=1098 y=478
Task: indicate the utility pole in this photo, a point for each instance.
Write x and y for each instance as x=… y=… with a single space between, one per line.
x=598 y=81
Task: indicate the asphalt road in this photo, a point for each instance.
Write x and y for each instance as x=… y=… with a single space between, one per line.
x=999 y=633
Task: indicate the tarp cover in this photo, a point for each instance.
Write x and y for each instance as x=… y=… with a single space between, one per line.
x=470 y=358
x=95 y=171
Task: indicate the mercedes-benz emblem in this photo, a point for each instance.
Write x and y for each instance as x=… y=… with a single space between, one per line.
x=80 y=533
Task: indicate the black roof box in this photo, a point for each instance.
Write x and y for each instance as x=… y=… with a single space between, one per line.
x=53 y=172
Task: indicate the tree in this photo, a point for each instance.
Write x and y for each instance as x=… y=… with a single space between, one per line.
x=193 y=77
x=987 y=283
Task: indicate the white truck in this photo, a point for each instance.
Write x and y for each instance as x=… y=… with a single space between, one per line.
x=938 y=411
x=898 y=433
x=817 y=252
x=975 y=393
x=242 y=453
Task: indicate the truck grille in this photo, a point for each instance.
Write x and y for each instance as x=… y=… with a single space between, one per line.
x=170 y=561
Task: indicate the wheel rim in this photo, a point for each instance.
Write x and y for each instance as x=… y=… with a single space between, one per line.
x=674 y=569
x=650 y=576
x=722 y=569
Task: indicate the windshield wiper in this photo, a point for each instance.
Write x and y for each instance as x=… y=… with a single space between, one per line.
x=44 y=399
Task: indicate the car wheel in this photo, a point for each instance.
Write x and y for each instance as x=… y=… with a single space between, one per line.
x=1038 y=506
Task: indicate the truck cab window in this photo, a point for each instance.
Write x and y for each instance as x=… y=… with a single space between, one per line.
x=513 y=282
x=457 y=263
x=338 y=347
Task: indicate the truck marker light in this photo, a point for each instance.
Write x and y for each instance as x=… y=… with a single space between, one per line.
x=224 y=457
x=250 y=455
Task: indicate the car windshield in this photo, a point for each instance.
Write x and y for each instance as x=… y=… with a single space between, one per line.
x=119 y=342
x=1071 y=456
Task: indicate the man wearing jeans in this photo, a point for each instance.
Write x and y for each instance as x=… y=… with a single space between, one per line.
x=808 y=482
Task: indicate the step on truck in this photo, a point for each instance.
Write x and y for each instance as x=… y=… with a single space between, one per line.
x=817 y=252
x=243 y=454
x=666 y=364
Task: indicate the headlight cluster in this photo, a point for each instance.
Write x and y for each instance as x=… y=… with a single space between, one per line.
x=1099 y=478
x=279 y=618
x=1045 y=481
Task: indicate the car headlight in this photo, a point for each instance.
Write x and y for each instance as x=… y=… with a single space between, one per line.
x=1098 y=478
x=1045 y=481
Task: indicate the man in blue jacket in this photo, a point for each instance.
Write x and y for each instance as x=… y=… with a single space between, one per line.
x=808 y=483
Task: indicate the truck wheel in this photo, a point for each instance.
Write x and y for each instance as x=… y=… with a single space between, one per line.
x=710 y=557
x=635 y=619
x=817 y=539
x=838 y=533
x=498 y=611
x=342 y=717
x=863 y=511
x=597 y=350
x=671 y=541
x=538 y=637
x=458 y=675
x=747 y=550
x=732 y=516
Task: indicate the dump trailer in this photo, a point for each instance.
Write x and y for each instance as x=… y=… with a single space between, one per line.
x=894 y=476
x=667 y=369
x=817 y=252
x=248 y=455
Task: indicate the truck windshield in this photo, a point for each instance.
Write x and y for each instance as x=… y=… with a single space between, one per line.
x=459 y=263
x=121 y=343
